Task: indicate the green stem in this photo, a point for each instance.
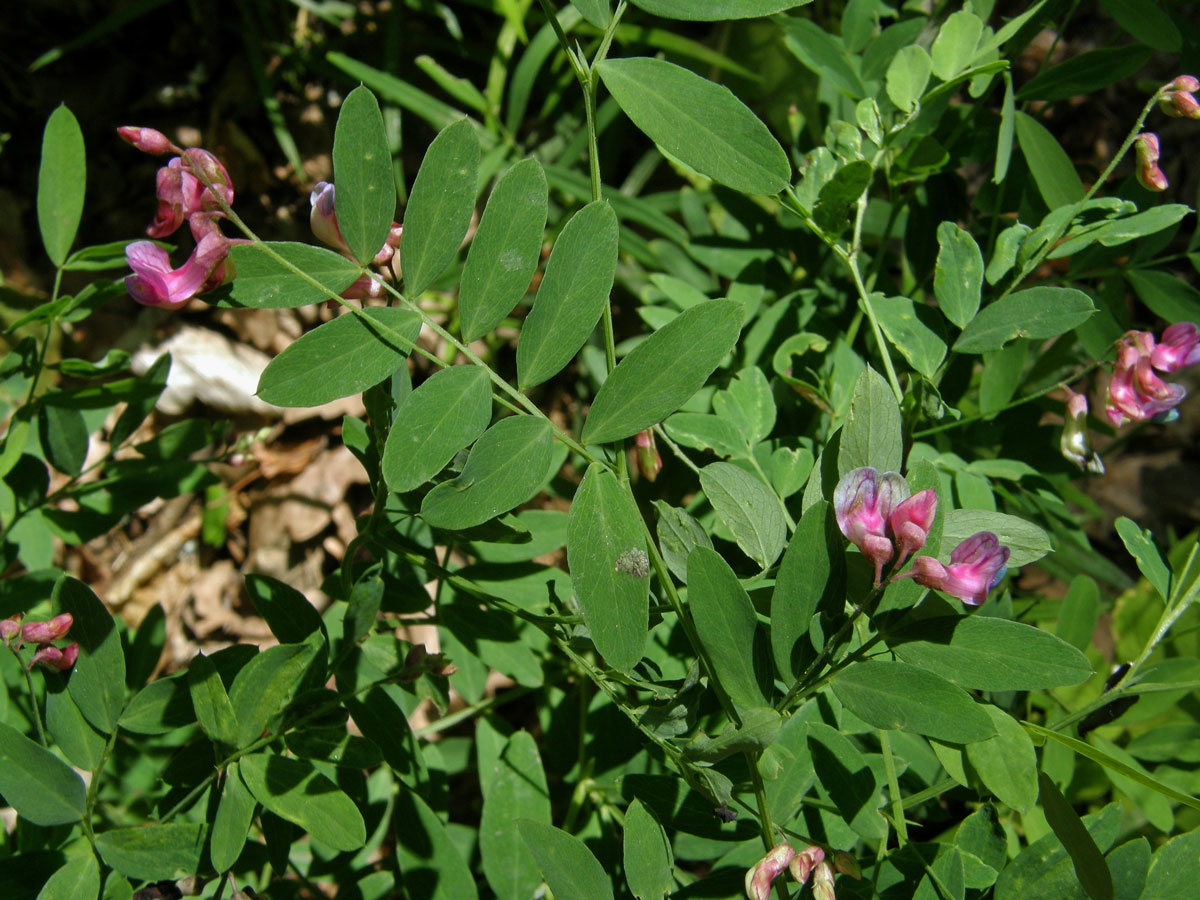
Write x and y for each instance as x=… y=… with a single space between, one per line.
x=93 y=790
x=674 y=448
x=889 y=770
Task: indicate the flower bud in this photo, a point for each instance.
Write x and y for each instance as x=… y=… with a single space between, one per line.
x=1149 y=175
x=976 y=566
x=847 y=865
x=55 y=660
x=863 y=502
x=147 y=140
x=46 y=632
x=322 y=219
x=801 y=867
x=10 y=628
x=649 y=462
x=822 y=887
x=760 y=877
x=1178 y=349
x=1184 y=83
x=1075 y=443
x=910 y=522
x=1179 y=105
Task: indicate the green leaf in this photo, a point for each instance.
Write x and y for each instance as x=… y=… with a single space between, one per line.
x=1174 y=869
x=295 y=791
x=649 y=862
x=872 y=433
x=597 y=12
x=825 y=55
x=505 y=250
x=726 y=624
x=895 y=695
x=81 y=744
x=211 y=703
x=160 y=707
x=1141 y=547
x=78 y=879
x=678 y=533
x=848 y=779
x=365 y=195
x=62 y=177
x=517 y=790
x=907 y=76
x=1166 y=295
x=811 y=574
x=758 y=730
x=838 y=195
x=1004 y=142
x=568 y=865
x=748 y=404
x=334 y=745
x=1147 y=22
x=1027 y=541
x=97 y=682
x=431 y=864
x=265 y=684
x=610 y=572
x=1039 y=312
x=264 y=283
x=715 y=10
x=505 y=468
x=286 y=611
x=958 y=278
x=904 y=324
x=1007 y=763
x=64 y=437
x=440 y=206
x=442 y=416
x=954 y=47
x=153 y=852
x=1085 y=74
x=662 y=372
x=990 y=654
x=235 y=812
x=1042 y=871
x=1052 y=170
x=36 y=783
x=1090 y=867
x=574 y=292
x=704 y=431
x=699 y=123
x=1001 y=377
x=750 y=509
x=340 y=358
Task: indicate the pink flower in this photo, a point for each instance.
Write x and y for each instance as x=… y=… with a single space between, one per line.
x=10 y=628
x=1135 y=392
x=46 y=632
x=976 y=566
x=1178 y=349
x=50 y=657
x=147 y=140
x=1149 y=175
x=1178 y=101
x=822 y=887
x=182 y=195
x=801 y=867
x=1075 y=443
x=323 y=219
x=910 y=522
x=863 y=502
x=155 y=283
x=760 y=877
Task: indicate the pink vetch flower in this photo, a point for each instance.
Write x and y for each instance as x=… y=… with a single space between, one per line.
x=322 y=219
x=47 y=632
x=1178 y=100
x=1135 y=392
x=1149 y=175
x=863 y=503
x=148 y=140
x=976 y=566
x=910 y=522
x=760 y=877
x=648 y=460
x=1075 y=443
x=801 y=867
x=50 y=657
x=822 y=887
x=183 y=196
x=9 y=629
x=155 y=283
x=1178 y=348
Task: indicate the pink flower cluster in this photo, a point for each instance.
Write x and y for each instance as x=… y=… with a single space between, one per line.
x=195 y=188
x=323 y=221
x=809 y=861
x=874 y=511
x=1137 y=392
x=877 y=514
x=1178 y=99
x=43 y=635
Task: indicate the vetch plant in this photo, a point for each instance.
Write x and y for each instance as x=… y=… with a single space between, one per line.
x=637 y=404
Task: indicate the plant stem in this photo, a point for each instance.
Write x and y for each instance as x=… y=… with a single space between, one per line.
x=889 y=769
